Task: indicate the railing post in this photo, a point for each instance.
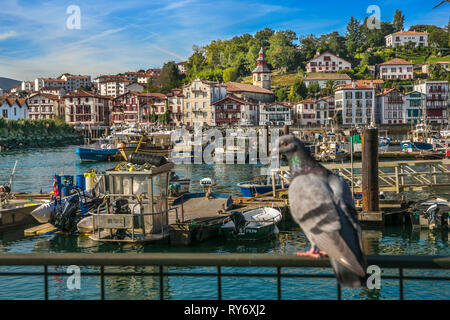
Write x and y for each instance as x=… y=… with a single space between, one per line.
x=102 y=283
x=46 y=282
x=161 y=284
x=279 y=282
x=400 y=271
x=219 y=283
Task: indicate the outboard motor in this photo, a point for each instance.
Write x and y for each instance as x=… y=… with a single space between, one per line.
x=239 y=222
x=431 y=215
x=120 y=206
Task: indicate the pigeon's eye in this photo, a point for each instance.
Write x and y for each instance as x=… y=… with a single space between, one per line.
x=283 y=143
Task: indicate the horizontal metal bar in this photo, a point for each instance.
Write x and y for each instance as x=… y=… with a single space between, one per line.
x=211 y=260
x=198 y=274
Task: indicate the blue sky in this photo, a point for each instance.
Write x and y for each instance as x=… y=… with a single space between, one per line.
x=119 y=36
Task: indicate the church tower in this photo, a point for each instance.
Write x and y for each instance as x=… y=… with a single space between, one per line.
x=261 y=74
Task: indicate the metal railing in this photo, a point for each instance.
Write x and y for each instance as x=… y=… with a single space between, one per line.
x=219 y=261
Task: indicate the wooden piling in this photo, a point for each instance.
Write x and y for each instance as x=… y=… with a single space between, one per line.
x=370 y=190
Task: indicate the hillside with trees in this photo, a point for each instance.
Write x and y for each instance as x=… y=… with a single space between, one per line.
x=287 y=53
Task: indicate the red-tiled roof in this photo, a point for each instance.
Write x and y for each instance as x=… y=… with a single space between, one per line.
x=396 y=61
x=244 y=87
x=233 y=99
x=409 y=32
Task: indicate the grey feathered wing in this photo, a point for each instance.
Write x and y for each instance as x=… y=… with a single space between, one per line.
x=313 y=207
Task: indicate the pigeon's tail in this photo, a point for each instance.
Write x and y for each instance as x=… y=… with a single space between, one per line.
x=346 y=277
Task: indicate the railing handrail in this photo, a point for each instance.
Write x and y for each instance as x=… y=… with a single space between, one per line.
x=211 y=260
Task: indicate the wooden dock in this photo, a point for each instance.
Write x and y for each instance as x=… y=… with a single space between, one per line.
x=40 y=229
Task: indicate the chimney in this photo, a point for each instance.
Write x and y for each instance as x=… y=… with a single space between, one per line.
x=353 y=85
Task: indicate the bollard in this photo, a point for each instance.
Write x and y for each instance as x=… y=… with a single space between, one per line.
x=285 y=129
x=370 y=202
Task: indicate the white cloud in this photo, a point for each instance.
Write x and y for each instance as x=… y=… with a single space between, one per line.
x=7 y=34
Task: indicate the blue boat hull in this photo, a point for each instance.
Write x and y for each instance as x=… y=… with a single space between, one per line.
x=249 y=190
x=423 y=146
x=87 y=154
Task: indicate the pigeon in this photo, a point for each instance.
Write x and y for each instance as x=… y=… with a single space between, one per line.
x=322 y=205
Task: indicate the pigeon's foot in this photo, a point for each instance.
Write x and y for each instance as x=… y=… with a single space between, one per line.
x=312 y=254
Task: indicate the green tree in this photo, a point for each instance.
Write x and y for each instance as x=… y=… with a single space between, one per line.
x=262 y=37
x=354 y=37
x=230 y=74
x=313 y=90
x=298 y=90
x=281 y=94
x=282 y=52
x=399 y=20
x=168 y=79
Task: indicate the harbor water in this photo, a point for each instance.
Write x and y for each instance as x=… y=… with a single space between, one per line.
x=37 y=166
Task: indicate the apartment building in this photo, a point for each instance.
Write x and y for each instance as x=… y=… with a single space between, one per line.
x=275 y=114
x=322 y=78
x=199 y=95
x=40 y=83
x=356 y=103
x=414 y=107
x=396 y=69
x=175 y=100
x=420 y=39
x=27 y=86
x=74 y=82
x=136 y=107
x=327 y=62
x=325 y=110
x=232 y=111
x=84 y=107
x=436 y=100
x=113 y=87
x=304 y=112
x=390 y=107
x=45 y=106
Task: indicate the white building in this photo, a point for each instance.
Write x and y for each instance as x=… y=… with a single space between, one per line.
x=27 y=86
x=420 y=39
x=356 y=102
x=39 y=83
x=436 y=100
x=45 y=106
x=13 y=108
x=322 y=78
x=390 y=107
x=396 y=69
x=143 y=77
x=56 y=91
x=74 y=82
x=275 y=114
x=181 y=67
x=84 y=107
x=113 y=88
x=325 y=110
x=327 y=62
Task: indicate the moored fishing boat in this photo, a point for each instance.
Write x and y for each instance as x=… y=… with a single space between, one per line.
x=255 y=224
x=99 y=154
x=155 y=144
x=260 y=185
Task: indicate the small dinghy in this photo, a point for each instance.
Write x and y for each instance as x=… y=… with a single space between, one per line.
x=255 y=224
x=432 y=214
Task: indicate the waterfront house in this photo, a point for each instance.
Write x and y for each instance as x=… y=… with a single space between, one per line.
x=84 y=107
x=324 y=108
x=390 y=107
x=13 y=108
x=396 y=39
x=175 y=100
x=327 y=62
x=396 y=69
x=304 y=112
x=45 y=106
x=275 y=114
x=322 y=78
x=414 y=107
x=199 y=95
x=234 y=111
x=137 y=107
x=436 y=100
x=355 y=103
